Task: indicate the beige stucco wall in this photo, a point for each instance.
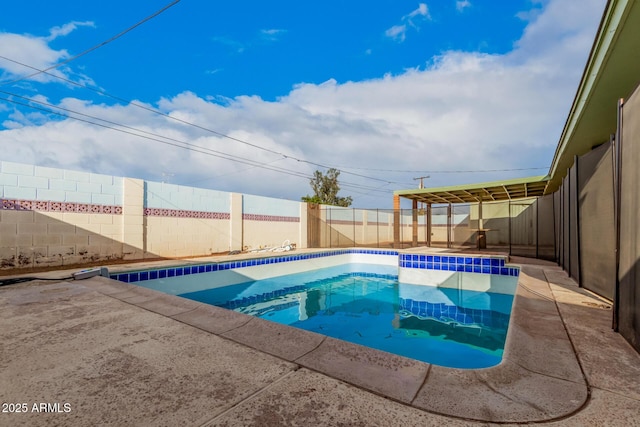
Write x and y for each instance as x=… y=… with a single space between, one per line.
x=266 y=234
x=41 y=239
x=181 y=237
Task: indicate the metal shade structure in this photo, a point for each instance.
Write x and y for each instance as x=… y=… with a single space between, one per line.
x=480 y=192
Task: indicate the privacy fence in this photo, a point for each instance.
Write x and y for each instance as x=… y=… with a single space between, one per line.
x=627 y=177
x=598 y=223
x=524 y=227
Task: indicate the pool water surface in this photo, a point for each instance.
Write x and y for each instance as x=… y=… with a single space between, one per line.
x=449 y=327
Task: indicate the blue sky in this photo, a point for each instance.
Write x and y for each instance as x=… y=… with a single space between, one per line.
x=386 y=91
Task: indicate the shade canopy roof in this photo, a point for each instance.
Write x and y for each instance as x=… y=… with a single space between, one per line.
x=483 y=192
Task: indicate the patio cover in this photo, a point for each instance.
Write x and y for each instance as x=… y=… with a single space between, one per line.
x=480 y=192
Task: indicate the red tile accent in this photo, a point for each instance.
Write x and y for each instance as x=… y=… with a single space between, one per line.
x=42 y=206
x=24 y=205
x=270 y=218
x=49 y=206
x=177 y=213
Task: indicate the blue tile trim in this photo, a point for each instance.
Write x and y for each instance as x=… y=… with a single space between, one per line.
x=482 y=265
x=207 y=268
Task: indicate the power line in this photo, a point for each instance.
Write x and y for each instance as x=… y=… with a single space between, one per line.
x=118 y=124
x=179 y=144
x=421 y=178
x=91 y=49
x=449 y=171
x=343 y=169
x=170 y=141
x=153 y=110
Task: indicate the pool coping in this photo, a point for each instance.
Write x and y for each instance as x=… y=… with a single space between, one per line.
x=538 y=380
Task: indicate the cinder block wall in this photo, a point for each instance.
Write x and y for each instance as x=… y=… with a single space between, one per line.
x=55 y=217
x=185 y=221
x=270 y=222
x=52 y=217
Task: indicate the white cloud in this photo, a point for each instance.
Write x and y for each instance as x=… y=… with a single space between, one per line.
x=35 y=52
x=263 y=36
x=461 y=5
x=272 y=34
x=64 y=30
x=422 y=10
x=466 y=110
x=412 y=19
x=235 y=45
x=397 y=32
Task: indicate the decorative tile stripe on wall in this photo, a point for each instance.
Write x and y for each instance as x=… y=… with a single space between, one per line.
x=483 y=265
x=270 y=218
x=177 y=213
x=47 y=206
x=138 y=276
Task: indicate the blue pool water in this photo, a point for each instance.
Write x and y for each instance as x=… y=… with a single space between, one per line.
x=444 y=326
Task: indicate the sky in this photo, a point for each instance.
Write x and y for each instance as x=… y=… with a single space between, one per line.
x=253 y=97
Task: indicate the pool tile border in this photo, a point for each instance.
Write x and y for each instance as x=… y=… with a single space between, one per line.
x=458 y=263
x=482 y=265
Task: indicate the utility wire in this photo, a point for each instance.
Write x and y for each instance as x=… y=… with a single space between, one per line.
x=155 y=111
x=344 y=169
x=172 y=142
x=341 y=168
x=186 y=146
x=142 y=106
x=122 y=126
x=449 y=171
x=91 y=49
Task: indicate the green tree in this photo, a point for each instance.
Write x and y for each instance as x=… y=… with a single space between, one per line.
x=325 y=189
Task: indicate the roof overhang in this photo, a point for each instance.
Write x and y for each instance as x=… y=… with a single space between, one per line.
x=483 y=192
x=612 y=72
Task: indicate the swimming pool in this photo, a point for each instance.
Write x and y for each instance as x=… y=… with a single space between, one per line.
x=380 y=299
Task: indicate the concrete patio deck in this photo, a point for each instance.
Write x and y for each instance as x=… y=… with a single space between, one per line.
x=119 y=354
